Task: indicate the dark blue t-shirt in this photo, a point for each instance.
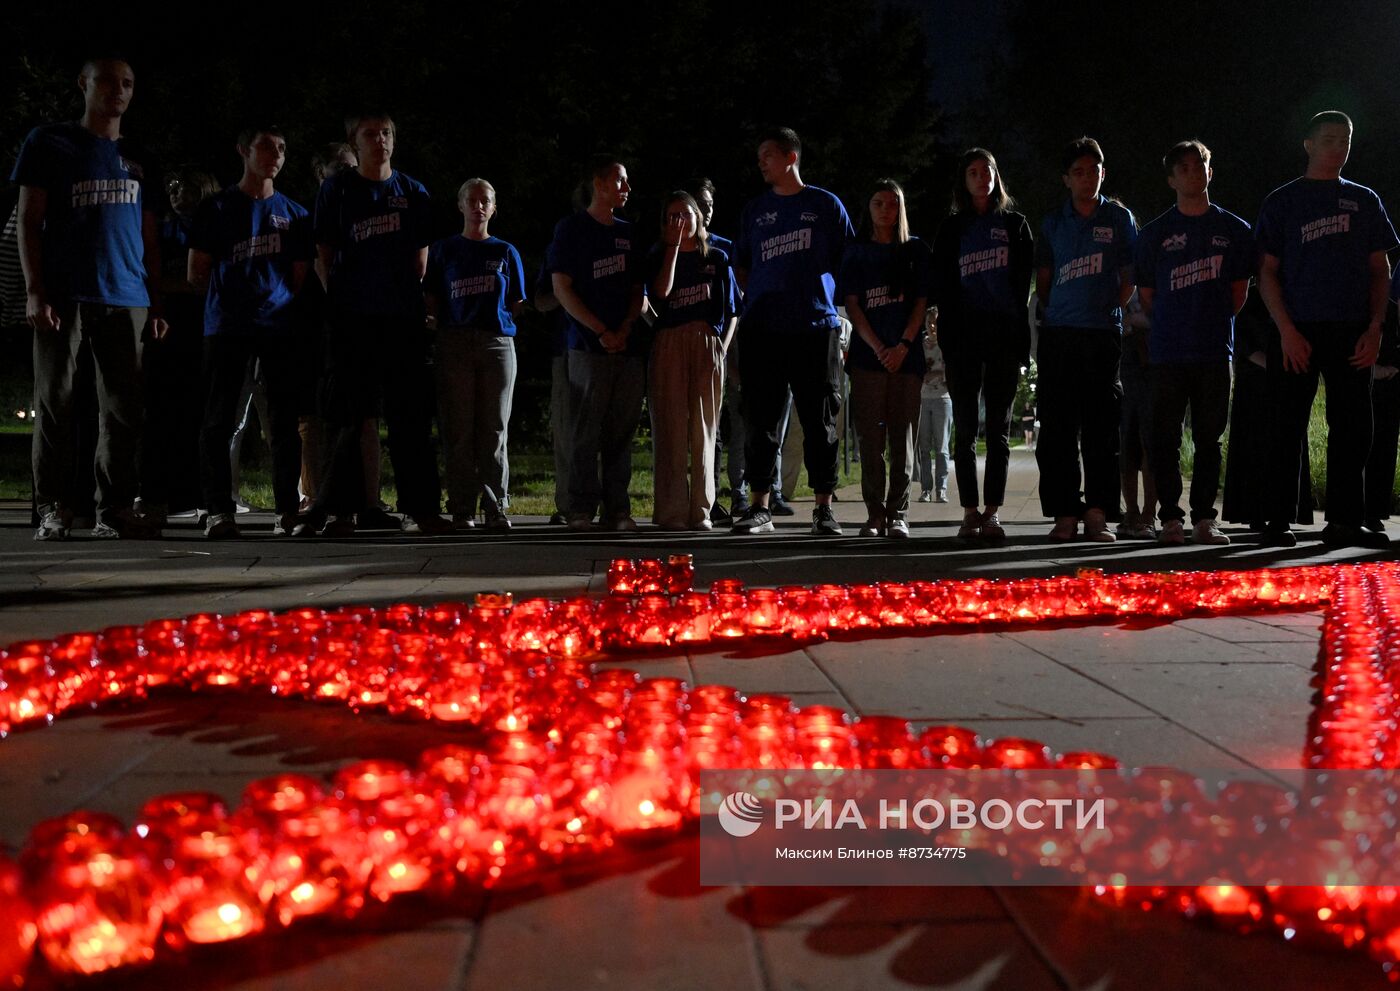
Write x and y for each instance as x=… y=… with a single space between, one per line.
x=886 y=279
x=985 y=264
x=605 y=265
x=1084 y=256
x=1323 y=232
x=791 y=247
x=476 y=283
x=96 y=189
x=376 y=230
x=1190 y=264
x=254 y=244
x=704 y=289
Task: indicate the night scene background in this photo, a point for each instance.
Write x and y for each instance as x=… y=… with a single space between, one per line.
x=523 y=93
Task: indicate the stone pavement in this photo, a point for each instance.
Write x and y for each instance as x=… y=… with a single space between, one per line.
x=1229 y=694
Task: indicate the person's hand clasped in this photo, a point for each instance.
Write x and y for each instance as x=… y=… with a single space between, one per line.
x=892 y=358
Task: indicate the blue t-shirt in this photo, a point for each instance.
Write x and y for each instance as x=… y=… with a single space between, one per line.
x=1190 y=264
x=476 y=283
x=886 y=279
x=96 y=190
x=1323 y=232
x=376 y=230
x=254 y=244
x=791 y=247
x=704 y=289
x=985 y=264
x=1084 y=256
x=605 y=265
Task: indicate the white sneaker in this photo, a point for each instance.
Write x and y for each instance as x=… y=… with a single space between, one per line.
x=1173 y=533
x=898 y=529
x=1208 y=532
x=51 y=527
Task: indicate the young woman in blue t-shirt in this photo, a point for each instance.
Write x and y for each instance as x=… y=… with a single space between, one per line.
x=982 y=260
x=693 y=291
x=884 y=278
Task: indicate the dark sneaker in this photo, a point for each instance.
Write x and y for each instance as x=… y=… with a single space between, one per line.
x=720 y=515
x=126 y=526
x=498 y=522
x=824 y=522
x=738 y=507
x=580 y=523
x=558 y=519
x=992 y=530
x=755 y=519
x=460 y=522
x=221 y=526
x=778 y=506
x=1344 y=535
x=971 y=528
x=286 y=525
x=375 y=518
x=1277 y=535
x=339 y=527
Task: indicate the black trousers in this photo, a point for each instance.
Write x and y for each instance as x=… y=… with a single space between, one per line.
x=1079 y=400
x=374 y=362
x=994 y=378
x=1204 y=389
x=1348 y=422
x=174 y=391
x=226 y=360
x=809 y=364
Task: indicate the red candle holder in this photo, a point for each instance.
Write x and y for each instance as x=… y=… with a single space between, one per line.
x=680 y=573
x=300 y=873
x=622 y=576
x=17 y=929
x=28 y=690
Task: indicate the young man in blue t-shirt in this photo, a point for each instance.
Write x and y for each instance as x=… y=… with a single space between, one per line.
x=1193 y=268
x=1324 y=277
x=89 y=249
x=372 y=229
x=596 y=270
x=1083 y=277
x=251 y=247
x=788 y=255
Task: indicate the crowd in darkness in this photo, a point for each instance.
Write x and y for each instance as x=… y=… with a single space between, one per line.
x=331 y=317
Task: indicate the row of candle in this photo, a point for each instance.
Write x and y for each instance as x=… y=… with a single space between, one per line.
x=500 y=663
x=573 y=761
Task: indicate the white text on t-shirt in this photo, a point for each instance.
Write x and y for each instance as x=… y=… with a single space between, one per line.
x=1080 y=267
x=983 y=261
x=1200 y=270
x=94 y=192
x=1323 y=226
x=256 y=247
x=374 y=226
x=785 y=244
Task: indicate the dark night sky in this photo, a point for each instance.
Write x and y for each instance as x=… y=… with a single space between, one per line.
x=521 y=92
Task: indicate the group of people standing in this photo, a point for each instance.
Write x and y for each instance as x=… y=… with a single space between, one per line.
x=415 y=328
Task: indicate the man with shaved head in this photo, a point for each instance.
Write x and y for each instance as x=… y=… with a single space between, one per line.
x=89 y=248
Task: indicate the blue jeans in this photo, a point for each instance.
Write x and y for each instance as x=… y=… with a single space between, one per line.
x=935 y=422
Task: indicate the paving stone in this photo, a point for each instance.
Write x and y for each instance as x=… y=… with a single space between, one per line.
x=1241 y=629
x=1258 y=711
x=963 y=676
x=642 y=929
x=778 y=669
x=810 y=908
x=1158 y=644
x=961 y=955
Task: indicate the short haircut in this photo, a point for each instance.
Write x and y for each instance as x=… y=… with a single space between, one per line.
x=784 y=137
x=1321 y=120
x=1178 y=152
x=476 y=181
x=329 y=154
x=249 y=134
x=1077 y=149
x=91 y=64
x=353 y=122
x=597 y=167
x=700 y=185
